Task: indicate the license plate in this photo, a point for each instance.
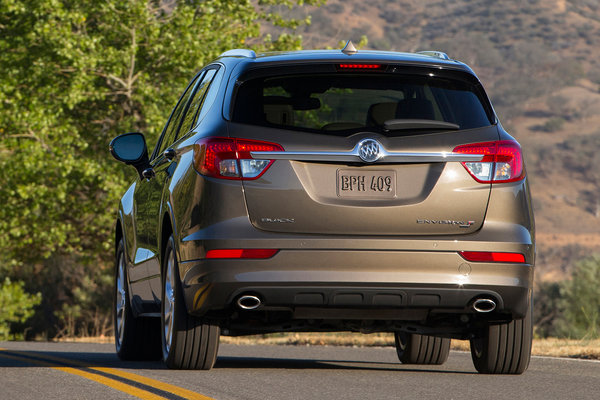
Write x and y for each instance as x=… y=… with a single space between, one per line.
x=366 y=184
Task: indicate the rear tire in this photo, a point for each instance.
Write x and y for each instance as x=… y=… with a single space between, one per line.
x=413 y=348
x=504 y=348
x=187 y=342
x=136 y=338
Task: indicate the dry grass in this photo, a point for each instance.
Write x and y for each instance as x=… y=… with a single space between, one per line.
x=85 y=339
x=316 y=339
x=586 y=349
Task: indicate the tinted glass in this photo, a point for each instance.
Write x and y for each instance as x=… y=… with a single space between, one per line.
x=196 y=103
x=170 y=131
x=211 y=95
x=345 y=103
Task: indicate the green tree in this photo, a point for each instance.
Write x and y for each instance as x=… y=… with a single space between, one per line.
x=547 y=309
x=74 y=75
x=16 y=307
x=581 y=300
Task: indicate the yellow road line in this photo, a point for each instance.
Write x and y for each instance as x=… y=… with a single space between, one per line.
x=176 y=390
x=122 y=387
x=186 y=394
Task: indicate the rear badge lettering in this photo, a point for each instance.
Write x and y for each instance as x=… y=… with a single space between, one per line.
x=278 y=220
x=460 y=224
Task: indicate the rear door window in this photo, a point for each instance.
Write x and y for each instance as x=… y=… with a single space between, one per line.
x=211 y=95
x=170 y=131
x=196 y=103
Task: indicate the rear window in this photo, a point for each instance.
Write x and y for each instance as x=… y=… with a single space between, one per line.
x=345 y=103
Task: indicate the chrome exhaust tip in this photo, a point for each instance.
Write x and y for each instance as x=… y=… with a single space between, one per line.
x=248 y=302
x=484 y=305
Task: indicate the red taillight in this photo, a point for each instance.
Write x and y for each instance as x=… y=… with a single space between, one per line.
x=361 y=66
x=488 y=256
x=502 y=161
x=241 y=253
x=229 y=158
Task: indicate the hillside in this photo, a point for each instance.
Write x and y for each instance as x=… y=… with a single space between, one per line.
x=539 y=63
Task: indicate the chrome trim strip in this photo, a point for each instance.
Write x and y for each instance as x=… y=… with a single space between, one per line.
x=353 y=156
x=305 y=156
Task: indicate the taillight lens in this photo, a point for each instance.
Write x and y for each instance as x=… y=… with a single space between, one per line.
x=229 y=158
x=489 y=256
x=502 y=161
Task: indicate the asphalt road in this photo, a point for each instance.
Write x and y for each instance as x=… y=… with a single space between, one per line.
x=92 y=371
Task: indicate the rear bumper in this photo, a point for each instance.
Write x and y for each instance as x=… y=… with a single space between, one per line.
x=358 y=284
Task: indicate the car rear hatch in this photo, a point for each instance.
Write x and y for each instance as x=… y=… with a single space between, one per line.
x=359 y=153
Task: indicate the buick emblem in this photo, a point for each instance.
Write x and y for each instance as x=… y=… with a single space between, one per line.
x=369 y=150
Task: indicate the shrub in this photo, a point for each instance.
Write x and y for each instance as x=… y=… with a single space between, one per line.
x=553 y=124
x=16 y=306
x=548 y=318
x=581 y=300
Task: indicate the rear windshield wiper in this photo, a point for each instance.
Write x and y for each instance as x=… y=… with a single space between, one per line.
x=405 y=124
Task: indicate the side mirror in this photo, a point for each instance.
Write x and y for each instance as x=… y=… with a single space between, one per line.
x=131 y=149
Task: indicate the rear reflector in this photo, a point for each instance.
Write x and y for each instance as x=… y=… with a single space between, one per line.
x=241 y=253
x=502 y=161
x=488 y=256
x=361 y=66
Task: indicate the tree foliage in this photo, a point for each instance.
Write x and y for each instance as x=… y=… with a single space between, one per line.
x=74 y=75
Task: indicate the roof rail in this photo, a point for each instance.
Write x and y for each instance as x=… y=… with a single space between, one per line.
x=434 y=53
x=239 y=53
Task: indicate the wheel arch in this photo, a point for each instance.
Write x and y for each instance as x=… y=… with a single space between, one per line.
x=167 y=228
x=118 y=234
x=165 y=231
